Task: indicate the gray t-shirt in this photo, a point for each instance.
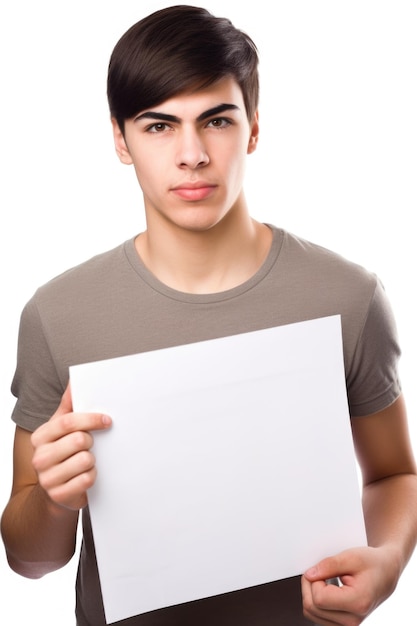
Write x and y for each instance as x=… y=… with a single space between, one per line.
x=113 y=306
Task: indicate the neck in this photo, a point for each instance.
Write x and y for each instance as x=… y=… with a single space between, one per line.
x=208 y=261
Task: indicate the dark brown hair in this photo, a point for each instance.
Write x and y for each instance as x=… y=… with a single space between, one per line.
x=174 y=50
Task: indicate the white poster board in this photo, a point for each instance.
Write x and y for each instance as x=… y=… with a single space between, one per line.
x=225 y=462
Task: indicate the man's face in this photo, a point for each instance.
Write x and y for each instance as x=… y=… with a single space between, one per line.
x=189 y=155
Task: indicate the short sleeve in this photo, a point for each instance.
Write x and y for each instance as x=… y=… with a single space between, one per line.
x=373 y=381
x=36 y=384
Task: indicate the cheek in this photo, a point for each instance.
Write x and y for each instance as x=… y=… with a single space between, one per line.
x=146 y=177
x=148 y=167
x=234 y=162
x=237 y=150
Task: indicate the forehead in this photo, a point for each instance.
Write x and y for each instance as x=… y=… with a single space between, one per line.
x=194 y=102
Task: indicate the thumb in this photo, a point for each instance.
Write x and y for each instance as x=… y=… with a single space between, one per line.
x=327 y=569
x=65 y=406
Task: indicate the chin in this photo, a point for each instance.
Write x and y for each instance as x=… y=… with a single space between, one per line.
x=199 y=223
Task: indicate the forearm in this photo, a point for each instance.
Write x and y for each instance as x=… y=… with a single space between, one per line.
x=390 y=510
x=39 y=535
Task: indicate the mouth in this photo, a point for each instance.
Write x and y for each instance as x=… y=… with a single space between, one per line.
x=194 y=191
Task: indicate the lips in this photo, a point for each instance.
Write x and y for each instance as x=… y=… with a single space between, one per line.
x=194 y=191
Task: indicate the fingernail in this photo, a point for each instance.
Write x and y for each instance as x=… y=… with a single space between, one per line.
x=311 y=572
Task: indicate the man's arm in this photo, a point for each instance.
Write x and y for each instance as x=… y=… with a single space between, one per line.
x=369 y=575
x=52 y=470
x=389 y=473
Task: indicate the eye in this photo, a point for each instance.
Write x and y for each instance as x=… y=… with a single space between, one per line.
x=159 y=127
x=219 y=122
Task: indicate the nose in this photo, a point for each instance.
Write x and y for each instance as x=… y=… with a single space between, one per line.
x=191 y=150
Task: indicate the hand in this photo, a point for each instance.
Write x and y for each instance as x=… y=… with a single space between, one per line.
x=62 y=455
x=368 y=577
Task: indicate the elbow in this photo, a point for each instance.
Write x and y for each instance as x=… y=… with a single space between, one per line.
x=27 y=570
x=33 y=570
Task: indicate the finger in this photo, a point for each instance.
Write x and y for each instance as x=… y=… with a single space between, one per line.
x=331 y=597
x=315 y=611
x=63 y=473
x=345 y=563
x=341 y=605
x=53 y=453
x=324 y=570
x=64 y=424
x=73 y=493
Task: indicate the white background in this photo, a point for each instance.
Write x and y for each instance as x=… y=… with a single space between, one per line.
x=336 y=164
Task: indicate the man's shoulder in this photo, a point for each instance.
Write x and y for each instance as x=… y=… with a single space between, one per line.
x=324 y=263
x=86 y=285
x=97 y=269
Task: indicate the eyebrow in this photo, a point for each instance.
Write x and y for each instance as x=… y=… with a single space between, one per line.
x=164 y=117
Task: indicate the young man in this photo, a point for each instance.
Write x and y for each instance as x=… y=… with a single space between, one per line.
x=183 y=95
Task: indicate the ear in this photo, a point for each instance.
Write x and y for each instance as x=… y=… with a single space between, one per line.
x=254 y=135
x=122 y=150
